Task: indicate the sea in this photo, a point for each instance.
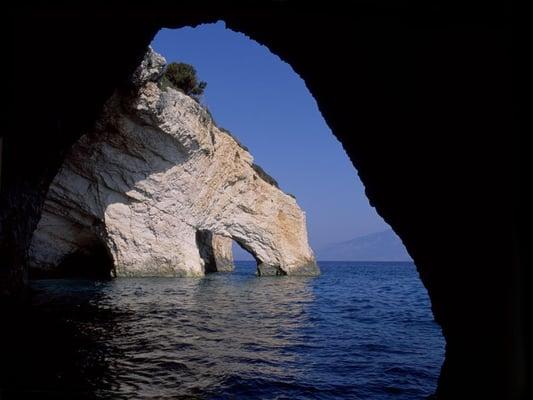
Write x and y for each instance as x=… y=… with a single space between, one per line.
x=360 y=330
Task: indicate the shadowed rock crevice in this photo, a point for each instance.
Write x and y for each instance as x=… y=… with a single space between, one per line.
x=91 y=259
x=215 y=251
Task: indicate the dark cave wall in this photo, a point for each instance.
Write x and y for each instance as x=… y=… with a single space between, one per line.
x=63 y=64
x=419 y=97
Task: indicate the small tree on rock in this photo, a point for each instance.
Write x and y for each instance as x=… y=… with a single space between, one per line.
x=182 y=76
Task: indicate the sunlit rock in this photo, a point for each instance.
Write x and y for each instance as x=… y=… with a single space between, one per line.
x=166 y=190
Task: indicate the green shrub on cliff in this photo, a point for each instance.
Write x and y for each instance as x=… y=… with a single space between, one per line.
x=182 y=76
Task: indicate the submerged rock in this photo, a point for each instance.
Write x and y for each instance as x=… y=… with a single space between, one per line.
x=166 y=190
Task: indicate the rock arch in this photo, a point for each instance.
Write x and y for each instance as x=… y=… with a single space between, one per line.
x=162 y=185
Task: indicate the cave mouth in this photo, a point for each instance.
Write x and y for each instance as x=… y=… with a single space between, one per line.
x=92 y=261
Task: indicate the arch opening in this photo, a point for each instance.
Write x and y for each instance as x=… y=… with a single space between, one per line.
x=244 y=253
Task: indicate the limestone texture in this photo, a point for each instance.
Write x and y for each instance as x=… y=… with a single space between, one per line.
x=166 y=190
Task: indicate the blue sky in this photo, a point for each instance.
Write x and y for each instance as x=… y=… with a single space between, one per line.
x=263 y=102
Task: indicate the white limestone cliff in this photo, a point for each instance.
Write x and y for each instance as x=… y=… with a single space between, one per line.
x=165 y=190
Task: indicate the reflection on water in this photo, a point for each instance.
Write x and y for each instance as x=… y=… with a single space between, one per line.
x=228 y=336
x=218 y=330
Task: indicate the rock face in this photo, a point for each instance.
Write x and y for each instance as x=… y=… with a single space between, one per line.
x=166 y=190
x=215 y=250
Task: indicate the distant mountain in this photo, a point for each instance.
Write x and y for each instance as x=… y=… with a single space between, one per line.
x=380 y=246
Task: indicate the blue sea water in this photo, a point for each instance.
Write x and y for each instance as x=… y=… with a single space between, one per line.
x=358 y=331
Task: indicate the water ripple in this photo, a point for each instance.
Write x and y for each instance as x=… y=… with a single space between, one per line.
x=358 y=331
